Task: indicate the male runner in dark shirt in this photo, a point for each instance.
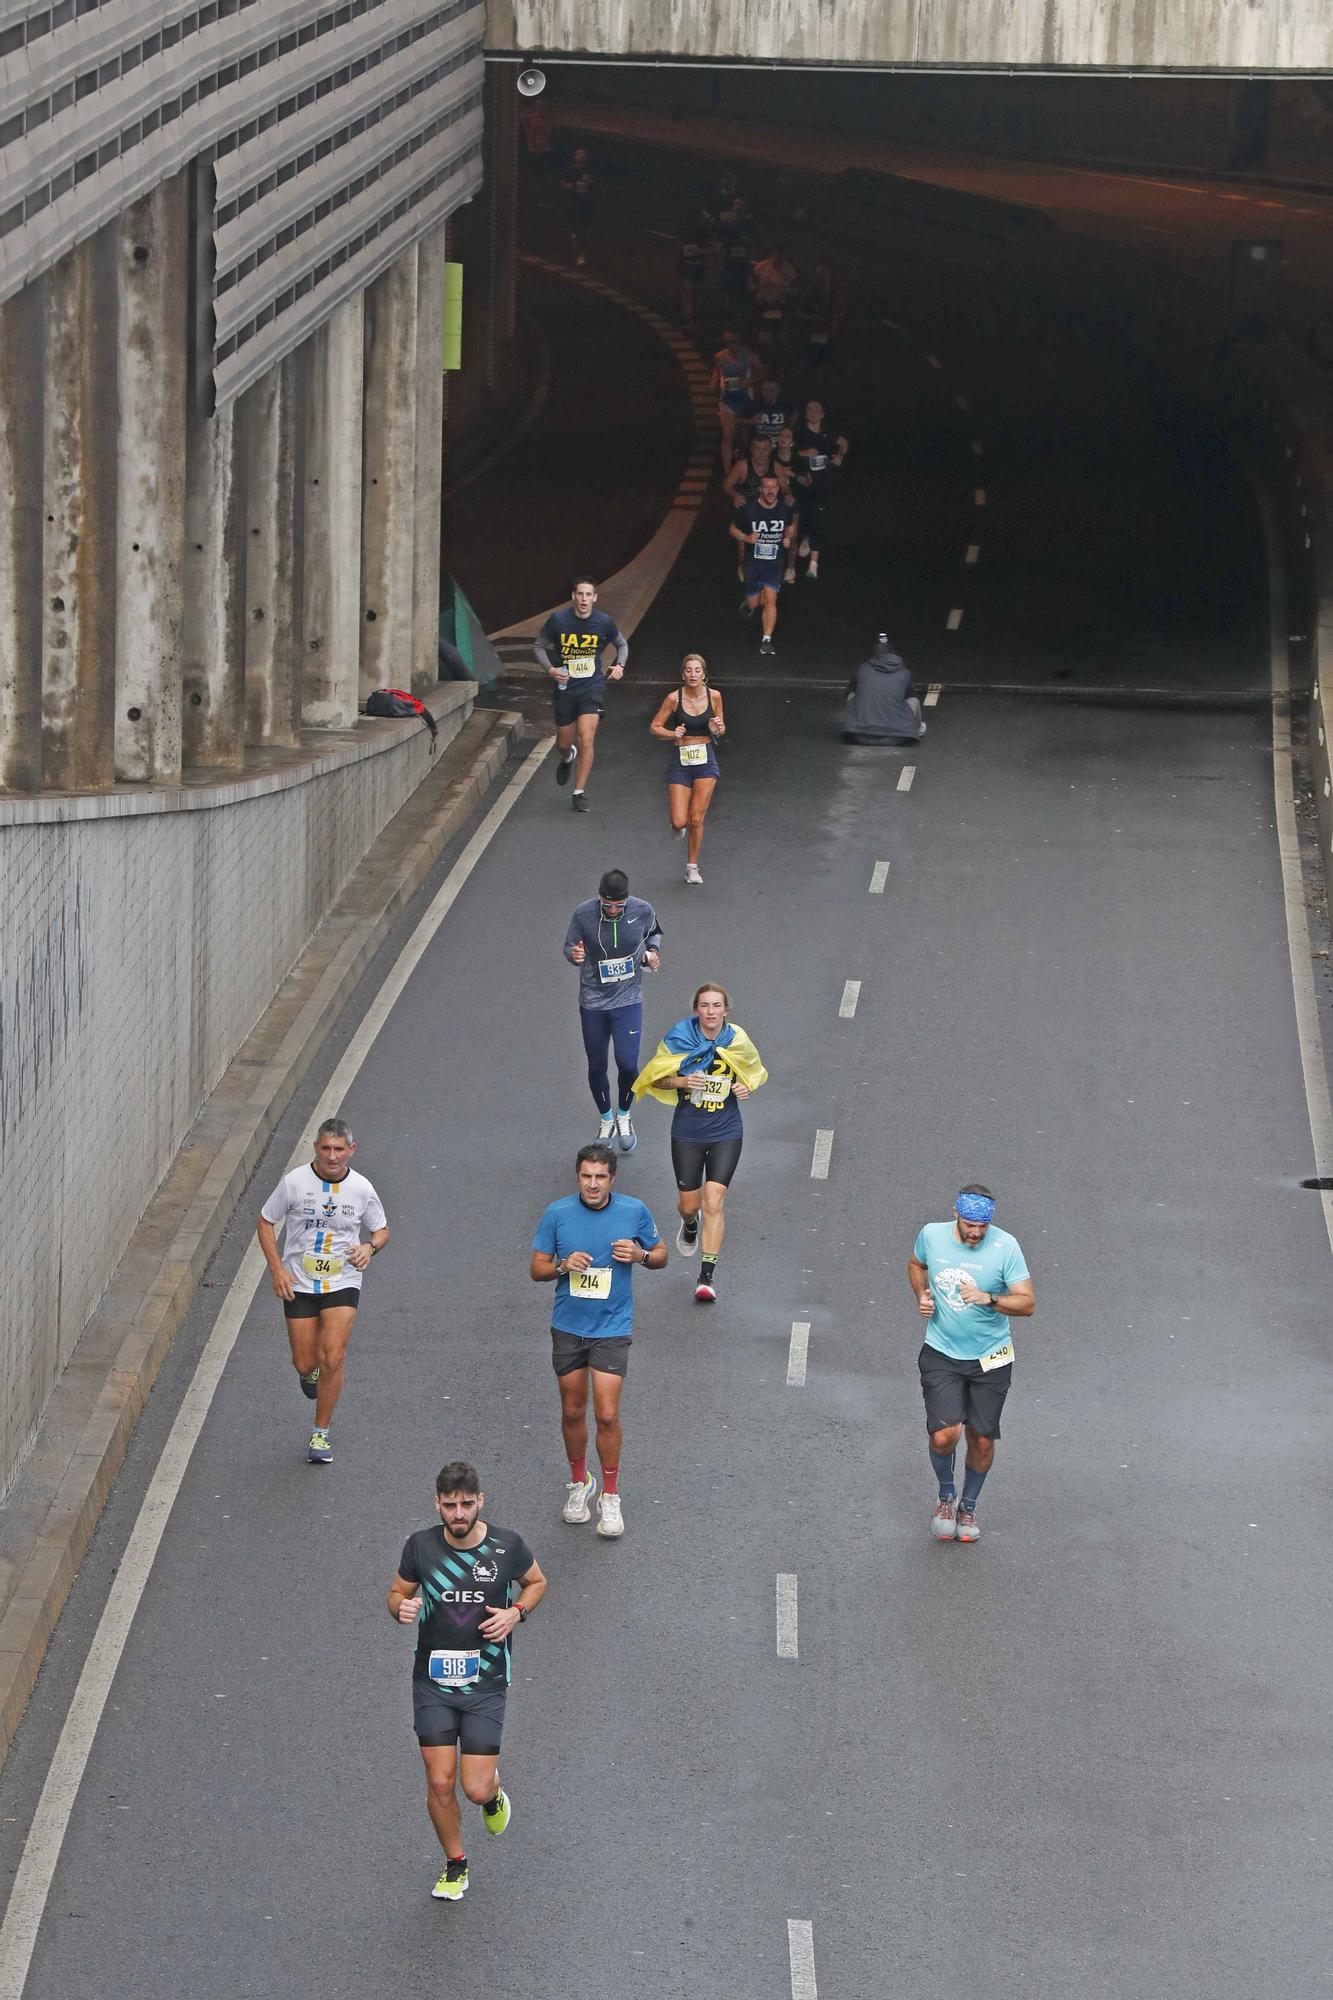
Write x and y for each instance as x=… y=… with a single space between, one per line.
x=764 y=529
x=465 y=1586
x=570 y=647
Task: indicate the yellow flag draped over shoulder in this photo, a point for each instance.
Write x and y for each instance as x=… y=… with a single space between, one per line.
x=740 y=1056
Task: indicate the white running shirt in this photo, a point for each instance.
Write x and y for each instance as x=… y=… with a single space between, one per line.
x=324 y=1221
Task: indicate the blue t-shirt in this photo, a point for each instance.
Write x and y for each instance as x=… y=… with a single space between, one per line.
x=585 y=1303
x=967 y=1332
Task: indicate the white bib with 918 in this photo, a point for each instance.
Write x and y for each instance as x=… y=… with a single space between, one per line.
x=454 y=1670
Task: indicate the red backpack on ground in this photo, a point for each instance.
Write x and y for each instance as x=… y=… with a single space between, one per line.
x=397 y=702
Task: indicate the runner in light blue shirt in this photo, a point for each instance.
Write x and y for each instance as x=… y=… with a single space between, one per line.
x=970 y=1280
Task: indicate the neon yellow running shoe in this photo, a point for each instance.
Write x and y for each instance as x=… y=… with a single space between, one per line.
x=498 y=1813
x=452 y=1885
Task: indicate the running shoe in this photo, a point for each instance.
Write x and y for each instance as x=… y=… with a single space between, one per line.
x=812 y=569
x=687 y=1236
x=747 y=609
x=692 y=874
x=706 y=1290
x=943 y=1522
x=498 y=1814
x=789 y=574
x=804 y=549
x=679 y=832
x=766 y=647
x=563 y=767
x=626 y=1137
x=310 y=1384
x=606 y=1128
x=968 y=1531
x=452 y=1885
x=319 y=1451
x=579 y=802
x=579 y=1495
x=610 y=1521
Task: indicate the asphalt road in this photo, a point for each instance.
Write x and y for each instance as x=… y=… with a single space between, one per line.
x=1086 y=1756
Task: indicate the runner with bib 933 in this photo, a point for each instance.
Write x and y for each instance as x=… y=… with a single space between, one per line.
x=970 y=1280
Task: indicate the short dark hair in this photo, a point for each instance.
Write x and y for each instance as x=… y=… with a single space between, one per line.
x=457 y=1477
x=975 y=1187
x=613 y=885
x=596 y=1155
x=583 y=579
x=335 y=1128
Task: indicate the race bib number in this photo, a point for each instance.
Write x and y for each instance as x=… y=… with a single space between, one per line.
x=582 y=666
x=694 y=753
x=594 y=1283
x=612 y=970
x=766 y=548
x=999 y=1357
x=454 y=1670
x=317 y=1265
x=772 y=312
x=818 y=461
x=711 y=1096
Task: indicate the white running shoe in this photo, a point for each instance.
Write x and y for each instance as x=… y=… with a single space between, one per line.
x=606 y=1129
x=804 y=549
x=579 y=1495
x=687 y=1240
x=625 y=1133
x=679 y=832
x=812 y=569
x=610 y=1521
x=692 y=874
x=789 y=574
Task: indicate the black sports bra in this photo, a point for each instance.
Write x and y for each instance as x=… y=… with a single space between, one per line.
x=693 y=725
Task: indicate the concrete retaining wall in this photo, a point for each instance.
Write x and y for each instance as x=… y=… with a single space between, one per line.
x=144 y=933
x=1189 y=35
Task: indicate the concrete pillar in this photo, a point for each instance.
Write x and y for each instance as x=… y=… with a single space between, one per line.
x=332 y=657
x=79 y=524
x=388 y=485
x=150 y=501
x=430 y=457
x=21 y=542
x=213 y=724
x=274 y=554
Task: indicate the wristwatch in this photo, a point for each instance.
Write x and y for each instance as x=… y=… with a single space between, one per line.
x=522 y=1614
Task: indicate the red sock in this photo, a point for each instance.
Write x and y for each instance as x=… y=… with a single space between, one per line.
x=610 y=1478
x=578 y=1469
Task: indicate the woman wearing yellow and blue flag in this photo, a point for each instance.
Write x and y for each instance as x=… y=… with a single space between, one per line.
x=705 y=1066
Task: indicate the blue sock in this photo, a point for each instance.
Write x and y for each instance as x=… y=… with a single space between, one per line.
x=972 y=1484
x=944 y=1473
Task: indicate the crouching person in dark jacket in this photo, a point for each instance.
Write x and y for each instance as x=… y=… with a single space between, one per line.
x=881 y=707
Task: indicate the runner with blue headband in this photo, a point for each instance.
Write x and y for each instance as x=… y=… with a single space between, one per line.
x=970 y=1280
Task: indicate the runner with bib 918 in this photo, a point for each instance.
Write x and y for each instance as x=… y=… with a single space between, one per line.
x=970 y=1280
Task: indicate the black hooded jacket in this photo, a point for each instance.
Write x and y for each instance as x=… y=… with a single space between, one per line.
x=877 y=708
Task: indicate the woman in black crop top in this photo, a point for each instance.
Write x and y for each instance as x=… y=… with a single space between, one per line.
x=691 y=721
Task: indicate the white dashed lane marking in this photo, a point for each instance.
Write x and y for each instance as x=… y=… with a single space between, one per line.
x=879 y=875
x=822 y=1154
x=933 y=693
x=851 y=993
x=801 y=1954
x=798 y=1353
x=954 y=620
x=973 y=551
x=979 y=496
x=788 y=1646
x=905 y=777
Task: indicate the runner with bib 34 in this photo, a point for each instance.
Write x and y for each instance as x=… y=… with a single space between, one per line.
x=969 y=1280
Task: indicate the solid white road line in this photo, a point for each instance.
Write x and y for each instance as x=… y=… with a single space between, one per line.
x=41 y=1852
x=786 y=1600
x=822 y=1154
x=851 y=993
x=801 y=1952
x=879 y=875
x=1293 y=887
x=933 y=693
x=798 y=1353
x=905 y=777
x=973 y=551
x=953 y=621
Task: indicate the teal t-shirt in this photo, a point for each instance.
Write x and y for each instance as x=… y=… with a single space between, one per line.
x=967 y=1332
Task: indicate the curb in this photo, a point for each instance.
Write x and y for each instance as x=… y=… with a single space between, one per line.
x=628 y=594
x=64 y=1482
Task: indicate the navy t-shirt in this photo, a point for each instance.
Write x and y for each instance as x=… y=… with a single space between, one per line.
x=770 y=524
x=578 y=644
x=716 y=1116
x=821 y=446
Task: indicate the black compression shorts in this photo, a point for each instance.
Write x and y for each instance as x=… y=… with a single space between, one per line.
x=309 y=1305
x=693 y=1162
x=444 y=1716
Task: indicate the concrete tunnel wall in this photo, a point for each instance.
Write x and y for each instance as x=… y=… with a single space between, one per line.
x=1291 y=36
